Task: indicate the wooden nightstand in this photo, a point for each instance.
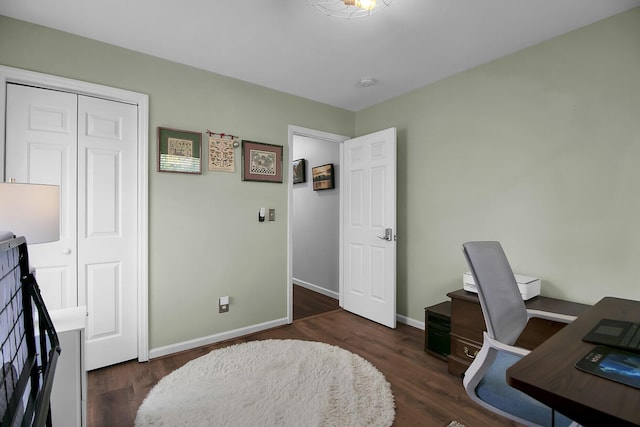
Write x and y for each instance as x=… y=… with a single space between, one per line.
x=467 y=325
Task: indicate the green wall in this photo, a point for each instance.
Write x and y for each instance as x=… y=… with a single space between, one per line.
x=539 y=150
x=204 y=237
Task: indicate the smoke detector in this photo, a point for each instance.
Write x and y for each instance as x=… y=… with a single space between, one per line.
x=366 y=81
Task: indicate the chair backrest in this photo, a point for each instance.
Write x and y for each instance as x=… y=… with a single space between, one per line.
x=504 y=311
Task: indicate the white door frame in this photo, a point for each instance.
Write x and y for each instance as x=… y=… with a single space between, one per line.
x=46 y=81
x=325 y=136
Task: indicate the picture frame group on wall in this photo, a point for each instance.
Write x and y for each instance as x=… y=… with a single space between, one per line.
x=323 y=177
x=179 y=151
x=261 y=162
x=299 y=171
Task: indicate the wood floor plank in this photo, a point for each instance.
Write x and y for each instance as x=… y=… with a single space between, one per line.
x=425 y=393
x=309 y=303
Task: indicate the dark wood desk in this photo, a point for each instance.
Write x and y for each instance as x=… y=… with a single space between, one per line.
x=548 y=373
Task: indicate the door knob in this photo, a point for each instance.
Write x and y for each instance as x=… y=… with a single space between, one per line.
x=388 y=235
x=66 y=251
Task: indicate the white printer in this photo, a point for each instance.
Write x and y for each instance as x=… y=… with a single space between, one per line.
x=529 y=286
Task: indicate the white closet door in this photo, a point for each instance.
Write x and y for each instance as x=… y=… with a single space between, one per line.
x=88 y=146
x=41 y=141
x=107 y=229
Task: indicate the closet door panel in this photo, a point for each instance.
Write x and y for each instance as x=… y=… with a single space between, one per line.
x=107 y=229
x=103 y=198
x=105 y=288
x=41 y=141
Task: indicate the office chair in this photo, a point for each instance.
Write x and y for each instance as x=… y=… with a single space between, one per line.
x=505 y=317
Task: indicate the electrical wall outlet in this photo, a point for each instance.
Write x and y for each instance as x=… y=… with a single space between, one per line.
x=223 y=304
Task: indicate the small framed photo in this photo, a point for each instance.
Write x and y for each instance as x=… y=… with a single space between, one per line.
x=323 y=177
x=179 y=151
x=299 y=171
x=261 y=162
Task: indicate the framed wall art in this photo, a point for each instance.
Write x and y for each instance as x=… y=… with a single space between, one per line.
x=261 y=162
x=323 y=177
x=179 y=151
x=222 y=156
x=299 y=171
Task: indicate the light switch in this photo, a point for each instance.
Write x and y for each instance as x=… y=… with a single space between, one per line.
x=272 y=214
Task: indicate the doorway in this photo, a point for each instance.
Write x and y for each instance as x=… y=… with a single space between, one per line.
x=367 y=223
x=314 y=226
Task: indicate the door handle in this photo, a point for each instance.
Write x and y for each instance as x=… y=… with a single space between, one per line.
x=66 y=251
x=388 y=235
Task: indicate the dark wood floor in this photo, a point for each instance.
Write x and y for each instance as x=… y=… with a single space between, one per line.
x=425 y=394
x=309 y=303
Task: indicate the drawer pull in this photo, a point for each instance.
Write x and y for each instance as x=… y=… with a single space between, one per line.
x=468 y=353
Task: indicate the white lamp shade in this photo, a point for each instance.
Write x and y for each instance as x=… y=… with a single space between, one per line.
x=30 y=210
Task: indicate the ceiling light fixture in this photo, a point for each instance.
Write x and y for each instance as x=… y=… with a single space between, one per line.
x=350 y=8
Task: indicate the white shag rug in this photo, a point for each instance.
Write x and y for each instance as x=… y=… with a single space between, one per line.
x=271 y=383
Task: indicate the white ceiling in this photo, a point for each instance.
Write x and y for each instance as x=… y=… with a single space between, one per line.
x=290 y=46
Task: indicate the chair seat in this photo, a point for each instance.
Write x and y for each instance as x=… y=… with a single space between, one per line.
x=494 y=390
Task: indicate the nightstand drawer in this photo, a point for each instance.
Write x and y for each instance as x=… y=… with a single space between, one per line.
x=463 y=349
x=467 y=320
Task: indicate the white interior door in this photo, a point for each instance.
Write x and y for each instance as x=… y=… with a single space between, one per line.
x=107 y=229
x=88 y=146
x=368 y=246
x=41 y=148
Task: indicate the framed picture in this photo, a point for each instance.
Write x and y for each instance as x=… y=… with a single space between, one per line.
x=299 y=171
x=323 y=177
x=179 y=151
x=261 y=162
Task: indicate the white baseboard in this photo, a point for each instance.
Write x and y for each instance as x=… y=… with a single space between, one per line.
x=411 y=322
x=212 y=339
x=223 y=336
x=316 y=288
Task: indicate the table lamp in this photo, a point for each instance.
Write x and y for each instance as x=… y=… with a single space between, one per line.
x=30 y=210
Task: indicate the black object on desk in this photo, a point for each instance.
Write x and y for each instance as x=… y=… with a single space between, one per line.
x=616 y=333
x=613 y=364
